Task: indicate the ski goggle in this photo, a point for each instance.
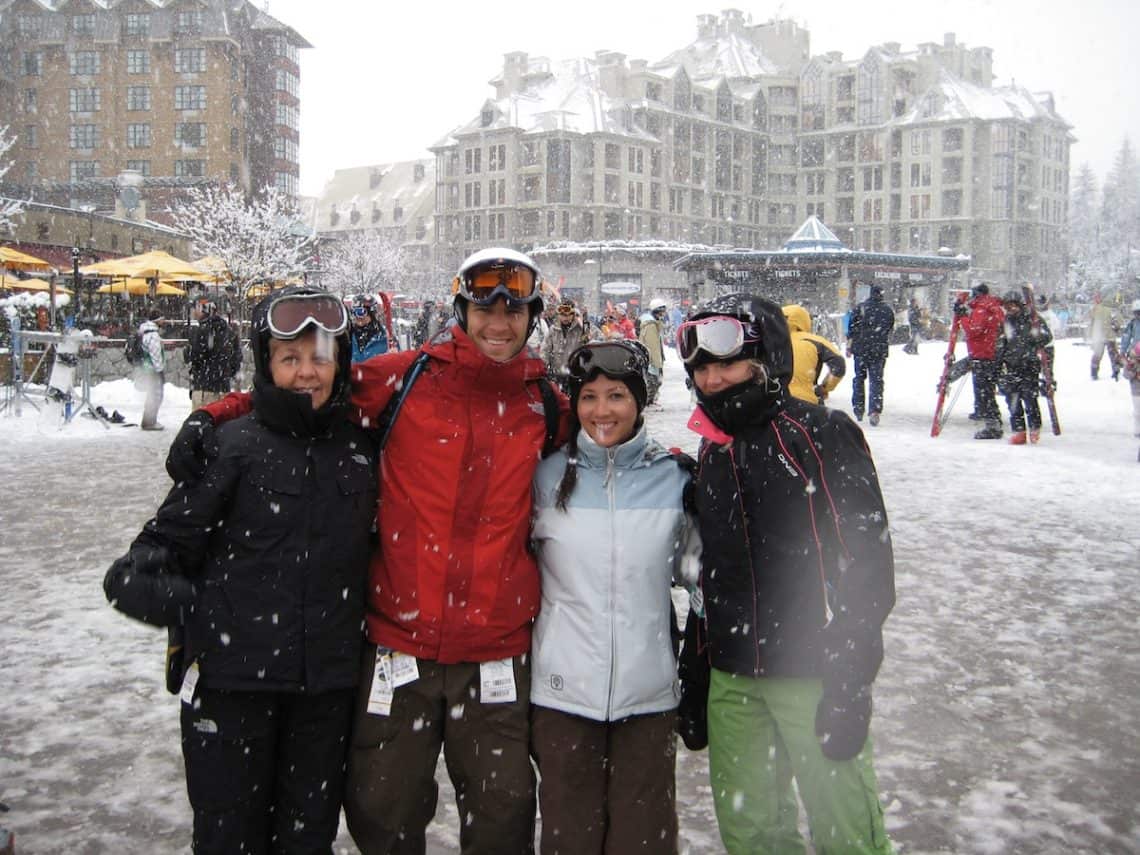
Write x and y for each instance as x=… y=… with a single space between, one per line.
x=289 y=316
x=484 y=284
x=721 y=337
x=359 y=311
x=611 y=358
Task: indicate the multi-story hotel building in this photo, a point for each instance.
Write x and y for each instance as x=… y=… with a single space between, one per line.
x=179 y=92
x=736 y=138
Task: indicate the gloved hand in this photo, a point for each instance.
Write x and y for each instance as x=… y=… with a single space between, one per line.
x=960 y=309
x=142 y=585
x=193 y=448
x=693 y=670
x=820 y=392
x=841 y=724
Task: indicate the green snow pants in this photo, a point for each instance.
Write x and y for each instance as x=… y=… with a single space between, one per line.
x=761 y=735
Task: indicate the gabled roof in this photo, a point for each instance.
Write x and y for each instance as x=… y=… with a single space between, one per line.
x=953 y=99
x=730 y=55
x=813 y=236
x=569 y=98
x=378 y=186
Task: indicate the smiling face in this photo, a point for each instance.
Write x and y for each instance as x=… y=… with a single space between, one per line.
x=607 y=411
x=306 y=364
x=713 y=377
x=498 y=330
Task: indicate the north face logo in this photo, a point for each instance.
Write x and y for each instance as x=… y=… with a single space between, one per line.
x=556 y=682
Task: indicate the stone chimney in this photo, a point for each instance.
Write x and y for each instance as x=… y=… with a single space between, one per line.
x=731 y=21
x=706 y=26
x=891 y=47
x=514 y=67
x=611 y=72
x=129 y=201
x=949 y=40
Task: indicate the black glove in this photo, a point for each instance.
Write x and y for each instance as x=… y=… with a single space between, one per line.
x=820 y=392
x=193 y=448
x=142 y=585
x=960 y=309
x=693 y=670
x=842 y=724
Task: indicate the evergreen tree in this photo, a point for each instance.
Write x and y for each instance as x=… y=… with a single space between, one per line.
x=1120 y=214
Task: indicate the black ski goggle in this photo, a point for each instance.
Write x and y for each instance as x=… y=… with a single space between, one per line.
x=289 y=316
x=610 y=357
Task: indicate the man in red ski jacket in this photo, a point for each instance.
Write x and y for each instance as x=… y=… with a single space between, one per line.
x=982 y=319
x=453 y=589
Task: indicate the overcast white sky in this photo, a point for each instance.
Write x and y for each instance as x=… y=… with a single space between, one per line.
x=384 y=81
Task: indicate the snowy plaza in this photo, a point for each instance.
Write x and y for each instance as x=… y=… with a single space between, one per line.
x=1006 y=716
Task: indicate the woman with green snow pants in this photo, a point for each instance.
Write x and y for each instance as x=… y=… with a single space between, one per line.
x=797 y=578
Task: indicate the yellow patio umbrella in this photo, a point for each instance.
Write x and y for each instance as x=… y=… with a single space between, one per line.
x=214 y=267
x=35 y=285
x=259 y=290
x=13 y=259
x=155 y=264
x=137 y=287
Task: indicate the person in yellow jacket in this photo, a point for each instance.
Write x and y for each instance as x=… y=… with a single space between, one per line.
x=810 y=354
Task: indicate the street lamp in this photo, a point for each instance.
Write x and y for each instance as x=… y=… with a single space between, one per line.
x=75 y=281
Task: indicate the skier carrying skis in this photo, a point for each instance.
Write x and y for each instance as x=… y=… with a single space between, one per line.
x=1019 y=367
x=982 y=319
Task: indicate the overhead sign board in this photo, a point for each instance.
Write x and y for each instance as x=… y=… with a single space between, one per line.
x=620 y=288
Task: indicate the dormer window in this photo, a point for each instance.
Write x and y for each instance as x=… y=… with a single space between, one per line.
x=486 y=117
x=418 y=172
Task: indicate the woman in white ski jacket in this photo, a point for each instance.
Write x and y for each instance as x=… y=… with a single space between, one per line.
x=610 y=534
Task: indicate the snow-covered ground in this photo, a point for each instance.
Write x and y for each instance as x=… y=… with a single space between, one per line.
x=1007 y=716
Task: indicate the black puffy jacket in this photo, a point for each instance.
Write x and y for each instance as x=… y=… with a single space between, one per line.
x=870 y=332
x=797 y=569
x=288 y=508
x=213 y=354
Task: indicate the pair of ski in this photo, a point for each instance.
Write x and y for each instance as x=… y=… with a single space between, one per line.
x=941 y=412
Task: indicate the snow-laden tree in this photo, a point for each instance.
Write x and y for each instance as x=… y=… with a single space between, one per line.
x=9 y=208
x=259 y=240
x=1088 y=264
x=1120 y=218
x=363 y=262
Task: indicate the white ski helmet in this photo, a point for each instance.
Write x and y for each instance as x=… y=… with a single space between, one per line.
x=657 y=303
x=520 y=282
x=1136 y=305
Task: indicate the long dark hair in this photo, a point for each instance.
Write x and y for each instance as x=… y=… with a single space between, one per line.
x=570 y=473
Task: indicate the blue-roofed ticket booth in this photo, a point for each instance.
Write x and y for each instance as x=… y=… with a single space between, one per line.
x=815 y=270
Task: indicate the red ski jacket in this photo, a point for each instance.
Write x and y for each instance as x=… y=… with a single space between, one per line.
x=983 y=326
x=452 y=578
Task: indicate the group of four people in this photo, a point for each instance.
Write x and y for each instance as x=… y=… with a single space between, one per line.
x=516 y=600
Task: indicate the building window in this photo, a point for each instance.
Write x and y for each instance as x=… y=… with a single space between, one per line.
x=873 y=178
x=140 y=166
x=531 y=153
x=31 y=136
x=83 y=100
x=83 y=25
x=138 y=97
x=286 y=81
x=532 y=188
x=951 y=203
x=189 y=168
x=82 y=169
x=189 y=97
x=920 y=142
x=190 y=134
x=920 y=174
x=496 y=157
x=286 y=182
x=845 y=180
x=951 y=170
x=473 y=195
x=613 y=156
x=28 y=27
x=636 y=160
x=136 y=24
x=33 y=63
x=473 y=161
x=138 y=62
x=235 y=139
x=612 y=189
x=84 y=62
x=138 y=136
x=811 y=152
x=83 y=136
x=952 y=139
x=188 y=21
x=30 y=101
x=287 y=116
x=190 y=60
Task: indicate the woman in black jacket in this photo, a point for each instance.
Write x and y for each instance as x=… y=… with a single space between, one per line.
x=797 y=579
x=263 y=564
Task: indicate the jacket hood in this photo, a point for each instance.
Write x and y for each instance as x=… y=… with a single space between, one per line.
x=799 y=319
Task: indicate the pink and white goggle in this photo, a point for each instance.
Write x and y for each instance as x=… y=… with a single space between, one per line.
x=721 y=337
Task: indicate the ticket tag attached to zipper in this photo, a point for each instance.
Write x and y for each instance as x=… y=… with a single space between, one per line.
x=404 y=670
x=497 y=682
x=189 y=683
x=380 y=694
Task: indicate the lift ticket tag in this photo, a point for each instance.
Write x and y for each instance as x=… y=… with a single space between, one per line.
x=189 y=683
x=380 y=695
x=497 y=682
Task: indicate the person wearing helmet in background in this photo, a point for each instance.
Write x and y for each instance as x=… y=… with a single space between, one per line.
x=278 y=525
x=652 y=335
x=812 y=353
x=797 y=579
x=369 y=336
x=453 y=587
x=1019 y=367
x=1130 y=348
x=566 y=335
x=610 y=534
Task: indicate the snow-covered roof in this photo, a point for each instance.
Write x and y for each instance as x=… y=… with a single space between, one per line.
x=813 y=236
x=730 y=55
x=377 y=187
x=954 y=99
x=568 y=98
